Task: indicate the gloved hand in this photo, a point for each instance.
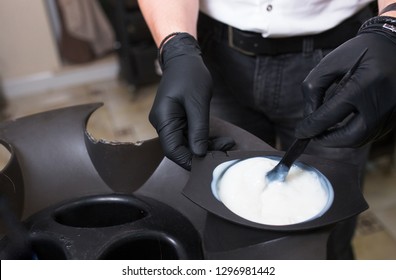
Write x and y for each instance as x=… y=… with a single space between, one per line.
x=180 y=112
x=363 y=109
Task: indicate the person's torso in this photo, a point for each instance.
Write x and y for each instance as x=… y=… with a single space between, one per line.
x=282 y=18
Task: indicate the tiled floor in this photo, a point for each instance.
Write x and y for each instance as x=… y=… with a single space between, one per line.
x=124 y=118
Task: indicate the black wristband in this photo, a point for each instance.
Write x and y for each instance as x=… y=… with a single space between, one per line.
x=166 y=39
x=383 y=23
x=163 y=42
x=390 y=7
x=176 y=44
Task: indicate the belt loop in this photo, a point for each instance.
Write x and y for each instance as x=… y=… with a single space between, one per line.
x=308 y=46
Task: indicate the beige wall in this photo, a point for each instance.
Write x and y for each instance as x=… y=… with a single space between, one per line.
x=27 y=46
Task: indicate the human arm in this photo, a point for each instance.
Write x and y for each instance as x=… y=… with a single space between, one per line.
x=180 y=112
x=364 y=109
x=174 y=16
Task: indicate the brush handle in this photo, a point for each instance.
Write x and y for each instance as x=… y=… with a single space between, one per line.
x=295 y=150
x=280 y=171
x=299 y=145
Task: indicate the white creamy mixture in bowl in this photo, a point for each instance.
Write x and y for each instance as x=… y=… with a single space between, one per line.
x=241 y=186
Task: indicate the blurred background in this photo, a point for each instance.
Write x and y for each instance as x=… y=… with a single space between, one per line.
x=58 y=53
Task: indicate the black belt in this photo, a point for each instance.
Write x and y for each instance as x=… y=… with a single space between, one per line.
x=252 y=43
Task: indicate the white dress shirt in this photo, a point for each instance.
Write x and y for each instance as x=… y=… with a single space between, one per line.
x=282 y=18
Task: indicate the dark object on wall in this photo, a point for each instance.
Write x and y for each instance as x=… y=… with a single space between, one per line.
x=136 y=48
x=74 y=50
x=86 y=32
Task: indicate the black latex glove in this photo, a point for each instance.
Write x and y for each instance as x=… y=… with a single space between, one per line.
x=180 y=112
x=364 y=109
